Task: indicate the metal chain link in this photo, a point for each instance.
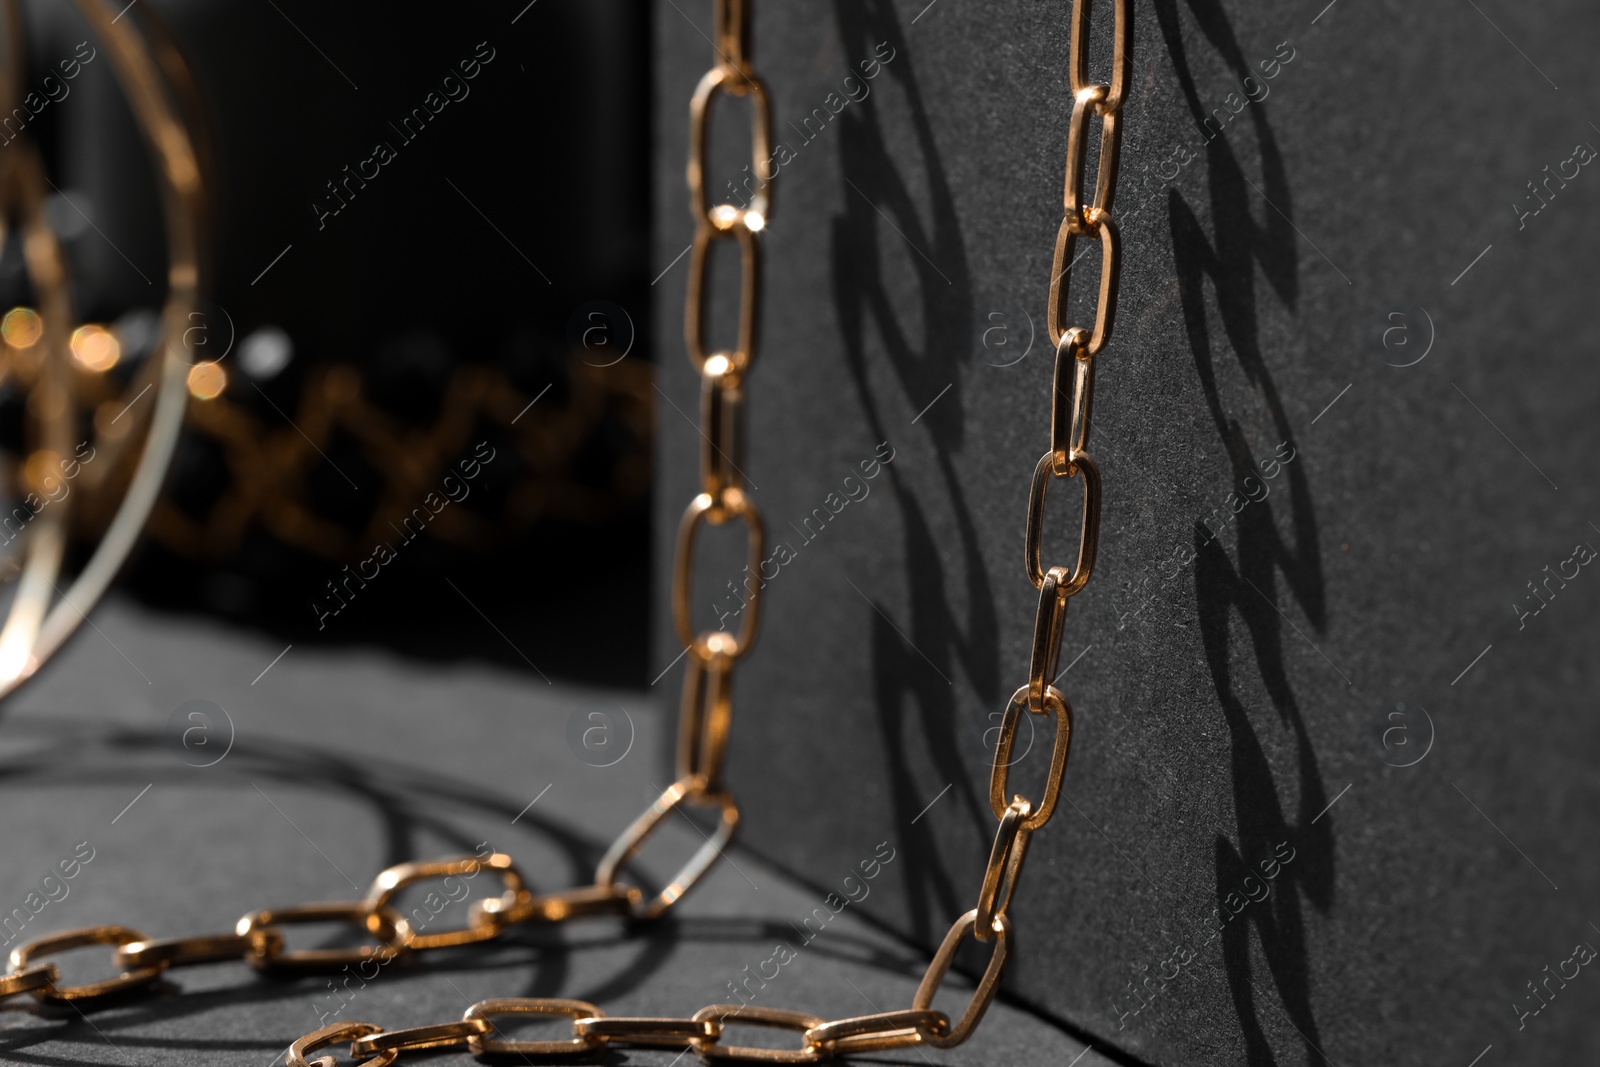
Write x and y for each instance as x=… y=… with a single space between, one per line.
x=707 y=708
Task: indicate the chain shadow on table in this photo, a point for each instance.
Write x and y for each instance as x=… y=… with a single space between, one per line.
x=407 y=802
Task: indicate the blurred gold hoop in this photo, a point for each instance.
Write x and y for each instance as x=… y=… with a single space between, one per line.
x=43 y=615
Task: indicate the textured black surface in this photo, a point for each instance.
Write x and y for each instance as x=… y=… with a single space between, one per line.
x=341 y=764
x=1233 y=676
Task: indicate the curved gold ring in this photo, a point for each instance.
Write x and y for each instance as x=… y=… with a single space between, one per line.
x=40 y=623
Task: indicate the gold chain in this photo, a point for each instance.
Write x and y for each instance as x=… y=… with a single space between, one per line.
x=707 y=706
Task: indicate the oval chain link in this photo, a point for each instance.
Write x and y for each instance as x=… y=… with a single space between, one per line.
x=999 y=779
x=677 y=796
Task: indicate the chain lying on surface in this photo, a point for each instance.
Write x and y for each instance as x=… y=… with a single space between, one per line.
x=258 y=938
x=707 y=706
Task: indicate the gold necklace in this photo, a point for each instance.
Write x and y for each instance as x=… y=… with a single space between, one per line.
x=707 y=708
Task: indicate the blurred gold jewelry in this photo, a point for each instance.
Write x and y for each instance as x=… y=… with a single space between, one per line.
x=42 y=614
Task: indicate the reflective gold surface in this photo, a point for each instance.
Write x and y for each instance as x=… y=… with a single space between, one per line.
x=43 y=614
x=23 y=955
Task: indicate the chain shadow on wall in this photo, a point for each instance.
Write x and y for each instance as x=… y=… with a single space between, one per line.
x=408 y=805
x=914 y=702
x=1248 y=582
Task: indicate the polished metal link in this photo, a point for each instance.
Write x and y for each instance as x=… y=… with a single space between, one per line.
x=999 y=777
x=439 y=1035
x=706 y=714
x=732 y=19
x=1072 y=400
x=332 y=1034
x=584 y=902
x=674 y=798
x=1105 y=229
x=483 y=1044
x=23 y=956
x=480 y=927
x=717 y=80
x=727 y=223
x=648 y=1033
x=207 y=948
x=1085 y=470
x=1048 y=626
x=706 y=508
x=1078 y=63
x=756 y=1015
x=384 y=924
x=1005 y=866
x=988 y=985
x=880 y=1032
x=28 y=979
x=722 y=421
x=1088 y=105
